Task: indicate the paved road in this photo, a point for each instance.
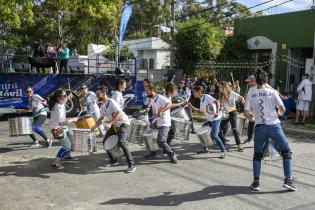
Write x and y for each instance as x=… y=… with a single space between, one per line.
x=196 y=182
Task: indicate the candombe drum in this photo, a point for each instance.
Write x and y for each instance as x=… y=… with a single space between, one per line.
x=150 y=139
x=270 y=149
x=240 y=123
x=137 y=129
x=82 y=140
x=180 y=113
x=203 y=134
x=182 y=128
x=86 y=122
x=20 y=126
x=111 y=145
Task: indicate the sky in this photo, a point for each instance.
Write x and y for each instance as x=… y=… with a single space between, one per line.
x=295 y=5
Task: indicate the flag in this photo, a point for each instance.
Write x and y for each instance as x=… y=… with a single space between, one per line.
x=124 y=21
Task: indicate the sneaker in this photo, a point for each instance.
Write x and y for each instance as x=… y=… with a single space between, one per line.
x=193 y=132
x=57 y=166
x=71 y=158
x=203 y=151
x=240 y=148
x=288 y=183
x=223 y=155
x=151 y=155
x=131 y=169
x=49 y=142
x=35 y=145
x=255 y=185
x=112 y=164
x=173 y=158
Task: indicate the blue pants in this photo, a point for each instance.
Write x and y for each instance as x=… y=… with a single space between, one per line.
x=214 y=134
x=275 y=132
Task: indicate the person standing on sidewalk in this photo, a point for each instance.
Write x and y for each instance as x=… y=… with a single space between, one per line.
x=263 y=101
x=211 y=107
x=63 y=56
x=90 y=103
x=304 y=99
x=228 y=99
x=38 y=105
x=118 y=124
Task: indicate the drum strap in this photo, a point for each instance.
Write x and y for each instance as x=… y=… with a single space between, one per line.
x=37 y=114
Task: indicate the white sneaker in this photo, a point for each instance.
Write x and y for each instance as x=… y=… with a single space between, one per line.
x=35 y=145
x=223 y=155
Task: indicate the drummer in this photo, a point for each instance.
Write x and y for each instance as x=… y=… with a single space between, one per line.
x=118 y=124
x=161 y=110
x=228 y=100
x=146 y=100
x=185 y=93
x=90 y=103
x=117 y=95
x=262 y=101
x=211 y=107
x=38 y=105
x=58 y=123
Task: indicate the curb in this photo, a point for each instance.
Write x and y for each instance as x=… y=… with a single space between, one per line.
x=289 y=131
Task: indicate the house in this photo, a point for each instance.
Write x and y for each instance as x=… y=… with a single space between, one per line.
x=286 y=42
x=151 y=52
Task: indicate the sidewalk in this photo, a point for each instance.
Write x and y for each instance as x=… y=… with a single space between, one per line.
x=306 y=131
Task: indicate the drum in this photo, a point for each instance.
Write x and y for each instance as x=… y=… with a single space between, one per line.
x=180 y=113
x=111 y=146
x=137 y=129
x=150 y=139
x=270 y=149
x=82 y=140
x=240 y=124
x=86 y=122
x=182 y=128
x=20 y=126
x=203 y=134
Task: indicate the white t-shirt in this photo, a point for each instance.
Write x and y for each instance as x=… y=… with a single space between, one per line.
x=305 y=90
x=263 y=103
x=110 y=109
x=208 y=107
x=90 y=101
x=160 y=101
x=57 y=116
x=230 y=105
x=36 y=105
x=118 y=97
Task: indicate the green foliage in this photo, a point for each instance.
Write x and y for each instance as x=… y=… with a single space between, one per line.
x=235 y=47
x=197 y=44
x=125 y=53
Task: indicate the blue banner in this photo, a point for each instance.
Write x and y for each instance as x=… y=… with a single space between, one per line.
x=124 y=21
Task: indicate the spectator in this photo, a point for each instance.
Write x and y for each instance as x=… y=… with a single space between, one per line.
x=237 y=87
x=214 y=88
x=64 y=58
x=51 y=53
x=305 y=96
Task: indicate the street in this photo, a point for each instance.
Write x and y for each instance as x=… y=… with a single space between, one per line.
x=197 y=182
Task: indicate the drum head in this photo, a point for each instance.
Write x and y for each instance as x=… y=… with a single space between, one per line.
x=111 y=142
x=138 y=122
x=202 y=130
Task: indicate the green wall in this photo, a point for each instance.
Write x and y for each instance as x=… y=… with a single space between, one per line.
x=295 y=29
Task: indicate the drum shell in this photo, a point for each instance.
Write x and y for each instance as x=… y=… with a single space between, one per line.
x=240 y=124
x=20 y=126
x=82 y=140
x=137 y=130
x=204 y=137
x=180 y=113
x=150 y=139
x=86 y=123
x=115 y=151
x=182 y=129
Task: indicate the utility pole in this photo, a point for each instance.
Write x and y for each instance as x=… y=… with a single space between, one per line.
x=172 y=34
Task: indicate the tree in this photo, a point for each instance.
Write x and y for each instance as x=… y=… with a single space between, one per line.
x=235 y=48
x=197 y=41
x=125 y=53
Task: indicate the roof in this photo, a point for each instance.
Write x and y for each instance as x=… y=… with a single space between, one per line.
x=149 y=43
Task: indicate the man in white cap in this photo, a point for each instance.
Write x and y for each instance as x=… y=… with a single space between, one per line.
x=251 y=82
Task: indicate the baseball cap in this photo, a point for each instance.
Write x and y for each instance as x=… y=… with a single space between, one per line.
x=250 y=78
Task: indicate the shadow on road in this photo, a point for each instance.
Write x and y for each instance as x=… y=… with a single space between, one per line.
x=169 y=199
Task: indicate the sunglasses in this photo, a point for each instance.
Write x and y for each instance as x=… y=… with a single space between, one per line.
x=28 y=91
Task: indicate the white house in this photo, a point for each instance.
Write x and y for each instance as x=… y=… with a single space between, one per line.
x=152 y=52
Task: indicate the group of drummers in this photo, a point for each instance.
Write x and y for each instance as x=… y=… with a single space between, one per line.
x=262 y=107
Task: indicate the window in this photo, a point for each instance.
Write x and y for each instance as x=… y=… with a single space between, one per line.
x=151 y=63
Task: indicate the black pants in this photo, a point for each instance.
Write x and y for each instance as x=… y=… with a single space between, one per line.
x=250 y=130
x=189 y=113
x=64 y=66
x=171 y=135
x=122 y=143
x=223 y=128
x=38 y=122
